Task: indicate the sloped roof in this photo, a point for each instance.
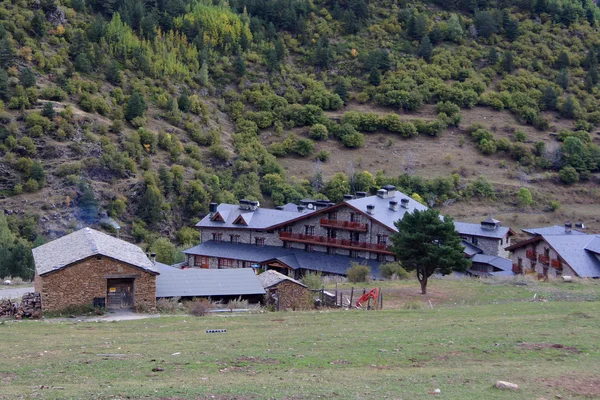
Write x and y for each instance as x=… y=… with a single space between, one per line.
x=196 y=282
x=572 y=249
x=551 y=230
x=261 y=218
x=293 y=258
x=382 y=212
x=85 y=243
x=466 y=228
x=272 y=278
x=594 y=245
x=470 y=249
x=502 y=263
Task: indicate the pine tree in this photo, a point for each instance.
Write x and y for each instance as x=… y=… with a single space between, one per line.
x=549 y=99
x=4 y=87
x=323 y=53
x=136 y=106
x=492 y=56
x=562 y=61
x=203 y=75
x=27 y=78
x=239 y=66
x=425 y=49
x=38 y=23
x=7 y=53
x=568 y=109
x=375 y=77
x=183 y=102
x=417 y=27
x=113 y=73
x=280 y=49
x=508 y=62
x=512 y=29
x=150 y=206
x=83 y=63
x=455 y=30
x=563 y=78
x=341 y=89
x=48 y=110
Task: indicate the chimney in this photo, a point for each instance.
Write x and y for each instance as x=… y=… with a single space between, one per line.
x=404 y=203
x=382 y=193
x=212 y=208
x=568 y=227
x=348 y=197
x=244 y=204
x=393 y=205
x=371 y=209
x=280 y=208
x=320 y=204
x=153 y=258
x=254 y=205
x=300 y=209
x=580 y=225
x=391 y=190
x=361 y=195
x=118 y=231
x=330 y=204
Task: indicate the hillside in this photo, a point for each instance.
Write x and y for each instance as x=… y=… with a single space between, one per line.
x=142 y=113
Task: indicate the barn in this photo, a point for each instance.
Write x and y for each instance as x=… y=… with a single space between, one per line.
x=87 y=267
x=283 y=291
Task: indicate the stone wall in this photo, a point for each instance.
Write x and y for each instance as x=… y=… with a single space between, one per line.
x=535 y=267
x=491 y=246
x=80 y=283
x=291 y=296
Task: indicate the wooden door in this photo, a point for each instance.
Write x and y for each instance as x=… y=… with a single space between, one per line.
x=204 y=262
x=119 y=293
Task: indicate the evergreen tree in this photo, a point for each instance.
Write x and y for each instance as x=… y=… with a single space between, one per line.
x=323 y=53
x=136 y=106
x=375 y=77
x=27 y=78
x=492 y=56
x=150 y=206
x=7 y=53
x=549 y=99
x=83 y=64
x=79 y=43
x=455 y=31
x=524 y=197
x=239 y=66
x=38 y=23
x=508 y=62
x=563 y=78
x=485 y=24
x=417 y=27
x=562 y=61
x=113 y=73
x=4 y=87
x=280 y=50
x=203 y=75
x=426 y=243
x=183 y=102
x=88 y=205
x=48 y=110
x=38 y=173
x=341 y=89
x=350 y=22
x=512 y=29
x=425 y=49
x=569 y=108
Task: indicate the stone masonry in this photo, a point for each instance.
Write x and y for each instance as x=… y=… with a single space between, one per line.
x=291 y=295
x=81 y=282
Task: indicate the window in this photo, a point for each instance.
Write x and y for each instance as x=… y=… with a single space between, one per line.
x=309 y=229
x=381 y=257
x=287 y=228
x=225 y=263
x=331 y=250
x=355 y=217
x=331 y=233
x=332 y=216
x=382 y=239
x=234 y=239
x=197 y=260
x=287 y=245
x=217 y=237
x=353 y=254
x=354 y=236
x=520 y=262
x=308 y=247
x=260 y=241
x=474 y=240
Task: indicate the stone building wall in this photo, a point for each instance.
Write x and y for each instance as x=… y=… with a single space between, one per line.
x=291 y=295
x=536 y=267
x=80 y=283
x=491 y=246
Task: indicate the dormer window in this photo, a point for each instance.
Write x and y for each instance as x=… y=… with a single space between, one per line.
x=217 y=218
x=240 y=221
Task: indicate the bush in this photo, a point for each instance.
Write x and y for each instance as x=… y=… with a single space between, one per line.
x=554 y=205
x=237 y=304
x=354 y=140
x=322 y=155
x=199 y=307
x=314 y=281
x=569 y=175
x=318 y=132
x=358 y=273
x=168 y=306
x=393 y=270
x=304 y=147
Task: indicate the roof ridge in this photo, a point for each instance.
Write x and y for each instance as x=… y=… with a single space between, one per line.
x=88 y=234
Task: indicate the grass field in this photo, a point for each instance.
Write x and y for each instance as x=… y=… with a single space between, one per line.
x=462 y=347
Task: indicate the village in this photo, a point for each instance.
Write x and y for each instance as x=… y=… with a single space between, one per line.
x=260 y=255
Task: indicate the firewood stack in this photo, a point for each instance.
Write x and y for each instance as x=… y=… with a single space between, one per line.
x=29 y=307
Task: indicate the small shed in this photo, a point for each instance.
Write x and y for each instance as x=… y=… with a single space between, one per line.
x=90 y=267
x=284 y=291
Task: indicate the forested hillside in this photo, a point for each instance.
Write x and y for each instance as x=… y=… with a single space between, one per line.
x=141 y=113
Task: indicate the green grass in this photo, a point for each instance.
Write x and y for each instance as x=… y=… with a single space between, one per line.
x=462 y=350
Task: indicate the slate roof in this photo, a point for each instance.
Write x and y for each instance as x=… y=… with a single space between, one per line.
x=470 y=249
x=294 y=258
x=501 y=263
x=261 y=218
x=594 y=245
x=551 y=230
x=196 y=282
x=382 y=211
x=572 y=249
x=84 y=243
x=466 y=228
x=272 y=278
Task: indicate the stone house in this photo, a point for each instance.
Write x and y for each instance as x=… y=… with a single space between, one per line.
x=554 y=255
x=489 y=236
x=283 y=291
x=87 y=267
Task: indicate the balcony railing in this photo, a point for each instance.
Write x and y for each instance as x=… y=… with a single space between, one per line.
x=531 y=255
x=348 y=225
x=557 y=264
x=544 y=259
x=517 y=269
x=342 y=243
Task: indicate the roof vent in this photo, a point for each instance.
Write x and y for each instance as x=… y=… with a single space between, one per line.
x=348 y=197
x=361 y=195
x=393 y=205
x=300 y=209
x=580 y=225
x=280 y=208
x=213 y=208
x=382 y=193
x=490 y=224
x=254 y=205
x=404 y=203
x=330 y=204
x=391 y=190
x=568 y=227
x=371 y=209
x=153 y=258
x=321 y=204
x=244 y=204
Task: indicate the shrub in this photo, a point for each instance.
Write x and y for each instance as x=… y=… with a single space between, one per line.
x=354 y=140
x=314 y=281
x=199 y=307
x=568 y=175
x=554 y=205
x=304 y=147
x=358 y=273
x=318 y=132
x=520 y=136
x=237 y=304
x=393 y=269
x=524 y=197
x=168 y=306
x=322 y=155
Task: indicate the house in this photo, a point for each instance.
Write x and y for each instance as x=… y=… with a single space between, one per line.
x=283 y=291
x=489 y=236
x=219 y=284
x=554 y=230
x=87 y=267
x=312 y=236
x=554 y=254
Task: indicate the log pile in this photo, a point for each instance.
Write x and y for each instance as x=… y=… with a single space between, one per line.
x=30 y=306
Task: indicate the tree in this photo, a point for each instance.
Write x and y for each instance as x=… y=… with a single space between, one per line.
x=239 y=66
x=38 y=23
x=337 y=187
x=48 y=110
x=27 y=78
x=323 y=53
x=150 y=206
x=568 y=175
x=492 y=57
x=425 y=49
x=203 y=74
x=512 y=29
x=4 y=86
x=563 y=78
x=524 y=197
x=570 y=108
x=113 y=73
x=183 y=102
x=549 y=98
x=136 y=106
x=417 y=27
x=88 y=204
x=7 y=53
x=562 y=61
x=454 y=30
x=166 y=252
x=574 y=153
x=425 y=243
x=341 y=89
x=508 y=62
x=375 y=77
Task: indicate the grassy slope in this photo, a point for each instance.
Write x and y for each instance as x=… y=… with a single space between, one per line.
x=394 y=353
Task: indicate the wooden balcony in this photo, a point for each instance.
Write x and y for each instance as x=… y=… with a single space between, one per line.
x=517 y=269
x=340 y=243
x=531 y=255
x=544 y=259
x=557 y=264
x=348 y=225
